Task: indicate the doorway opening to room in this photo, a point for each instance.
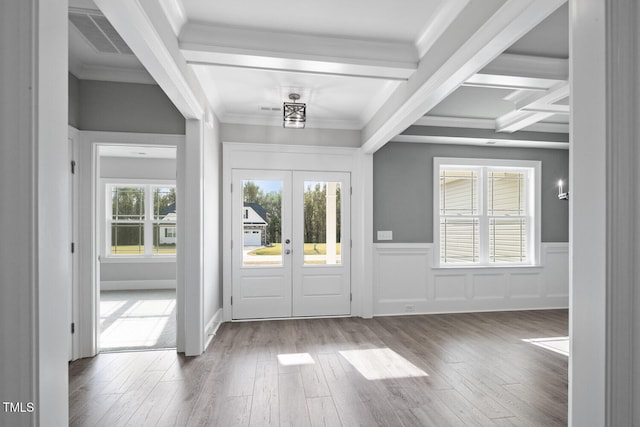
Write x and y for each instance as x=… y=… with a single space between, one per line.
x=136 y=214
x=293 y=253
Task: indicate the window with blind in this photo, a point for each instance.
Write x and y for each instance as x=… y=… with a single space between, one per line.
x=486 y=212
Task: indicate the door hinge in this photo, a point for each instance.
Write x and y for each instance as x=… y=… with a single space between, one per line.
x=351 y=244
x=73 y=248
x=232 y=244
x=73 y=328
x=73 y=166
x=350 y=297
x=351 y=190
x=232 y=188
x=232 y=300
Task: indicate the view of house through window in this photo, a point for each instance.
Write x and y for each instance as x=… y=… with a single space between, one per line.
x=262 y=223
x=485 y=213
x=142 y=220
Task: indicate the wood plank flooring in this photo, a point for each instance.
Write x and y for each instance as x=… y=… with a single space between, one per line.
x=427 y=370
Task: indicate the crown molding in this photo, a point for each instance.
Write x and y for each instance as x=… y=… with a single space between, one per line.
x=272 y=120
x=485 y=123
x=112 y=74
x=490 y=142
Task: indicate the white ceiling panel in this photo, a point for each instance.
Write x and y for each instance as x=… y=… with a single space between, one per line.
x=474 y=102
x=340 y=102
x=359 y=19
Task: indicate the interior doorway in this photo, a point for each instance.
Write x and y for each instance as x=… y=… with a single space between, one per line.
x=292 y=256
x=136 y=215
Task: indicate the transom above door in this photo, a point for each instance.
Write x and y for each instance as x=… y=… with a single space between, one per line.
x=291 y=244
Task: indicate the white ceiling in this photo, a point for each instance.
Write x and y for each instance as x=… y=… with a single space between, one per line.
x=354 y=19
x=356 y=62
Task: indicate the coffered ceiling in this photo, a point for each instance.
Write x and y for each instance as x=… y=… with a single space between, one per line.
x=393 y=70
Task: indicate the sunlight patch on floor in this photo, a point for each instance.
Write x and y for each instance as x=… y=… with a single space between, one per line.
x=136 y=320
x=558 y=345
x=295 y=359
x=382 y=363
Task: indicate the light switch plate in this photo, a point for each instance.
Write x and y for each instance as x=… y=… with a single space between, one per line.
x=385 y=235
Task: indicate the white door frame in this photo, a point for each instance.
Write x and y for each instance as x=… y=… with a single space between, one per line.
x=87 y=171
x=310 y=158
x=74 y=344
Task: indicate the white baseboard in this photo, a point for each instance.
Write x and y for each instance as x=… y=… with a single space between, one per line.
x=212 y=327
x=405 y=282
x=136 y=285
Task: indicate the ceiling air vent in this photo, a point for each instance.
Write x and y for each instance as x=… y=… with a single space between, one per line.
x=99 y=32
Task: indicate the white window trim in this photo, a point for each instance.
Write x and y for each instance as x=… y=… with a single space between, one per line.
x=534 y=199
x=148 y=221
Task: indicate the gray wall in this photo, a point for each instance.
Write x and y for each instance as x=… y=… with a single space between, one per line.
x=74 y=101
x=403 y=187
x=137 y=168
x=123 y=107
x=280 y=135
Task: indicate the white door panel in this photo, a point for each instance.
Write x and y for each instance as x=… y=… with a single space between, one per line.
x=321 y=264
x=261 y=282
x=305 y=269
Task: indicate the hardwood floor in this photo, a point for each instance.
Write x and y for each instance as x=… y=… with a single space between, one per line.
x=431 y=370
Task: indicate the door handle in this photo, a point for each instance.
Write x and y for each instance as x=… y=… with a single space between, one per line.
x=287 y=251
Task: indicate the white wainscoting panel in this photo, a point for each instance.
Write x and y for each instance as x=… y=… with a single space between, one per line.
x=406 y=282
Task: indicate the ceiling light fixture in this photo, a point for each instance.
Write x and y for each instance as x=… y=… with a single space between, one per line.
x=294 y=115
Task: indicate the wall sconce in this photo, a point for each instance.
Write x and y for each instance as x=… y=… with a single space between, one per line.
x=294 y=115
x=562 y=195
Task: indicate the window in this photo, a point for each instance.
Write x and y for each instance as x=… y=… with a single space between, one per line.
x=141 y=219
x=486 y=212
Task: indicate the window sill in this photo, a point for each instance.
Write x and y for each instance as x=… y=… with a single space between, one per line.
x=488 y=267
x=136 y=259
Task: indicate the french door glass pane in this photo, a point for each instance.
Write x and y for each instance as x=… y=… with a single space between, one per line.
x=459 y=239
x=127 y=238
x=262 y=223
x=322 y=222
x=507 y=240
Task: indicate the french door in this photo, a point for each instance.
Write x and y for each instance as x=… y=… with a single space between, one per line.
x=291 y=244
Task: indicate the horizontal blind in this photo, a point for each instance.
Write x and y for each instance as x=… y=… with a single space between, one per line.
x=506 y=209
x=459 y=216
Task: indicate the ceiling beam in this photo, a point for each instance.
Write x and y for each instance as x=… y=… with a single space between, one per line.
x=268 y=50
x=435 y=79
x=539 y=67
x=499 y=81
x=145 y=28
x=516 y=120
x=532 y=108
